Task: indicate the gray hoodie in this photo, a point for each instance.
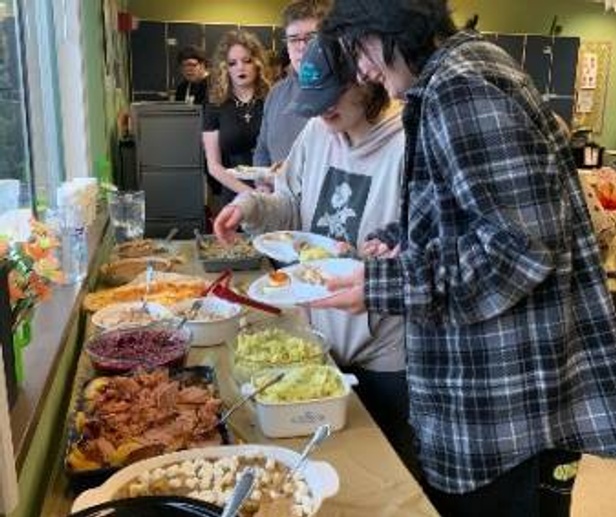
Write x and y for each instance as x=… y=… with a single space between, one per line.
x=345 y=192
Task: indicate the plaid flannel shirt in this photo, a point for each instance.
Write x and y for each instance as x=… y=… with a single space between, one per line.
x=510 y=332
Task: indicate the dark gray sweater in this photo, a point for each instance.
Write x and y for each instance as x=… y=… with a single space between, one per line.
x=280 y=126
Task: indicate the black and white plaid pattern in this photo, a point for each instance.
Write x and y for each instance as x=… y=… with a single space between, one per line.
x=510 y=332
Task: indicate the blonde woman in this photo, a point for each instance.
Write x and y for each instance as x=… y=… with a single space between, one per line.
x=233 y=116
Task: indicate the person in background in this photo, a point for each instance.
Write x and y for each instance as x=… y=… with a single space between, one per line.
x=192 y=89
x=279 y=63
x=345 y=162
x=510 y=331
x=232 y=120
x=281 y=125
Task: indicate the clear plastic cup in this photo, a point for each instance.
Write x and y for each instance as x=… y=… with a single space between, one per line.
x=127 y=214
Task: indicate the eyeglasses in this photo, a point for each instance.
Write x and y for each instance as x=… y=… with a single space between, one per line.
x=294 y=40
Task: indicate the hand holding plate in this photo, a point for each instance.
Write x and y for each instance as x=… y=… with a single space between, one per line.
x=350 y=297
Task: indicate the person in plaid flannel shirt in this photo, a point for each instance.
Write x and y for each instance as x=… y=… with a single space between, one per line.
x=510 y=333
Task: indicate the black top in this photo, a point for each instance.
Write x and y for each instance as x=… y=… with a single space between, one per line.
x=238 y=127
x=198 y=91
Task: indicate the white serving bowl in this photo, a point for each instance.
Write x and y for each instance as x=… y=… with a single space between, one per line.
x=129 y=314
x=320 y=476
x=216 y=322
x=302 y=417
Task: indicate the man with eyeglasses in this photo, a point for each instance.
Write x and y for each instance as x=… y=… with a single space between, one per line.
x=192 y=89
x=280 y=125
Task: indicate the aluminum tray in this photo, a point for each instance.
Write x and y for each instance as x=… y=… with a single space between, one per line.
x=80 y=480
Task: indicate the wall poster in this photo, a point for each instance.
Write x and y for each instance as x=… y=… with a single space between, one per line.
x=591 y=84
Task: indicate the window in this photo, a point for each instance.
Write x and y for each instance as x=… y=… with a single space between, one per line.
x=15 y=171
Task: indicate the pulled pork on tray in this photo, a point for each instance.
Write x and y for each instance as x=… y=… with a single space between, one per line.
x=128 y=418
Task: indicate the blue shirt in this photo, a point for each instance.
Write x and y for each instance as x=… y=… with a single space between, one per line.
x=509 y=327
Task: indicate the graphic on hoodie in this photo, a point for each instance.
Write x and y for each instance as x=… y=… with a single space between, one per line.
x=341 y=205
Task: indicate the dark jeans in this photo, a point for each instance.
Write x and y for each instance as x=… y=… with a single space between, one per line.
x=538 y=487
x=385 y=396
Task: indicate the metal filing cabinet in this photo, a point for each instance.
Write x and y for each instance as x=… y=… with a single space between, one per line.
x=170 y=166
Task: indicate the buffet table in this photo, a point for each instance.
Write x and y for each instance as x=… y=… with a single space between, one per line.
x=373 y=481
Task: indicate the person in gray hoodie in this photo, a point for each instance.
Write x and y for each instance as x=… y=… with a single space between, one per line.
x=342 y=180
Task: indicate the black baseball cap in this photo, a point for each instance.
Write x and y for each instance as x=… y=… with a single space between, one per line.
x=320 y=83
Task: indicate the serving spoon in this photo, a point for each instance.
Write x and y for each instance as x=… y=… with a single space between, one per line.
x=249 y=396
x=241 y=491
x=320 y=435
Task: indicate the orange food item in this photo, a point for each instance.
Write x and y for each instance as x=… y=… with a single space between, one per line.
x=278 y=279
x=161 y=291
x=606 y=193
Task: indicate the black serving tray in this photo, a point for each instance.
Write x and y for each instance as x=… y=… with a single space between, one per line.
x=217 y=262
x=80 y=480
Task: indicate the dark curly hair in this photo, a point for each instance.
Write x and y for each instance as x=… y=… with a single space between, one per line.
x=411 y=26
x=220 y=83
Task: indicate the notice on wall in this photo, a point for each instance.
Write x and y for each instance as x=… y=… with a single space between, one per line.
x=591 y=82
x=584 y=101
x=589 y=70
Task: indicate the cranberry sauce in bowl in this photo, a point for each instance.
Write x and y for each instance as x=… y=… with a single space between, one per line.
x=124 y=349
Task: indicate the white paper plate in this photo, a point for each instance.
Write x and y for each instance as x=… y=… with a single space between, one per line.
x=280 y=245
x=298 y=292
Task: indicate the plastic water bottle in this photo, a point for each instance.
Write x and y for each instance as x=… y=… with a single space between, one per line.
x=74 y=254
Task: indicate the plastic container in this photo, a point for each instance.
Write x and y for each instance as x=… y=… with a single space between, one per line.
x=125 y=349
x=74 y=254
x=275 y=344
x=302 y=417
x=216 y=322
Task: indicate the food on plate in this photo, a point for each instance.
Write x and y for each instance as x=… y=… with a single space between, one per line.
x=279 y=237
x=307 y=252
x=212 y=480
x=300 y=383
x=124 y=349
x=122 y=271
x=160 y=291
x=130 y=314
x=312 y=275
x=127 y=418
x=276 y=280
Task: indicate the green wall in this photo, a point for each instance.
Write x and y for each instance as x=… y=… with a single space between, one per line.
x=580 y=18
x=209 y=11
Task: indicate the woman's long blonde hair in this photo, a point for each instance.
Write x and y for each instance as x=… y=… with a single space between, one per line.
x=221 y=88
